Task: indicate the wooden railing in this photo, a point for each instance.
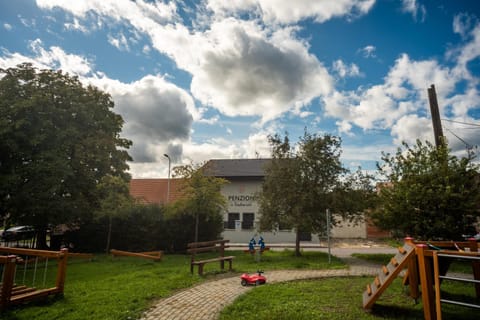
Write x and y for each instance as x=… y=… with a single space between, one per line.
x=17 y=263
x=474 y=258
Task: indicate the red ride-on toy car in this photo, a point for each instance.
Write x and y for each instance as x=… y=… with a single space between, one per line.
x=254 y=279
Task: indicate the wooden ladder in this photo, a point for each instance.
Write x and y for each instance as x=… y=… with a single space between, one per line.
x=387 y=275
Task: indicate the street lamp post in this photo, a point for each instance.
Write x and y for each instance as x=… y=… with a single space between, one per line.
x=168 y=182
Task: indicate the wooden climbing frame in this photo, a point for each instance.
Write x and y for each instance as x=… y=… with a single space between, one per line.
x=418 y=258
x=11 y=292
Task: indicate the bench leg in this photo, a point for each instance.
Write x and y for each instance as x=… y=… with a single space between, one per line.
x=222 y=264
x=200 y=269
x=230 y=265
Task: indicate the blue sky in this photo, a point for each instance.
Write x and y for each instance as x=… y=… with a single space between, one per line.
x=211 y=79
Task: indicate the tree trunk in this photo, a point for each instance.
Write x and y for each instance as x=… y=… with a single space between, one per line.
x=196 y=226
x=41 y=239
x=297 y=244
x=109 y=234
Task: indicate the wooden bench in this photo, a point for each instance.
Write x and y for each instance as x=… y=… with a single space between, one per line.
x=195 y=248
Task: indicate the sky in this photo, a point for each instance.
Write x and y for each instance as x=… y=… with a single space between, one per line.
x=213 y=79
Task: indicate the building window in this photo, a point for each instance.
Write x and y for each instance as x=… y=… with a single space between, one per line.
x=248 y=219
x=232 y=217
x=305 y=236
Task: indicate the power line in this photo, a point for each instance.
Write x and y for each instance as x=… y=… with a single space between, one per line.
x=468 y=145
x=460 y=122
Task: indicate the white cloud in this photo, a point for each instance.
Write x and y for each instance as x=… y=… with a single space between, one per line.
x=212 y=120
x=246 y=73
x=238 y=67
x=461 y=104
x=420 y=75
x=287 y=11
x=467 y=53
x=7 y=26
x=403 y=92
x=368 y=51
x=417 y=11
x=52 y=58
x=117 y=9
x=344 y=127
x=75 y=25
x=27 y=23
x=255 y=146
x=411 y=127
x=146 y=49
x=345 y=70
x=120 y=42
x=463 y=24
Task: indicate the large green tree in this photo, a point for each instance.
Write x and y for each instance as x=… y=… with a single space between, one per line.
x=303 y=181
x=58 y=139
x=429 y=193
x=200 y=207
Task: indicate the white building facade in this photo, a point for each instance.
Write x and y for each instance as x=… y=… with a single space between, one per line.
x=241 y=221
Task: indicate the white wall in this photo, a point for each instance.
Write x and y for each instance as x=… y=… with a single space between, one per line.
x=241 y=199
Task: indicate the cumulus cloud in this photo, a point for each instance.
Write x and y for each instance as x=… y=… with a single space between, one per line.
x=402 y=94
x=238 y=67
x=401 y=104
x=246 y=73
x=156 y=114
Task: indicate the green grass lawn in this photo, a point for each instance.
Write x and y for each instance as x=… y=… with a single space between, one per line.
x=122 y=288
x=333 y=298
x=107 y=288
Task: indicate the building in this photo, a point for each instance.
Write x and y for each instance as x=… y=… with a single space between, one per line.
x=245 y=178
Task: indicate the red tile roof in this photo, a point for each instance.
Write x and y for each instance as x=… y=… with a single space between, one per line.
x=154 y=190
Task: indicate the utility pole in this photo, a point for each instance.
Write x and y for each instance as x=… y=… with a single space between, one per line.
x=437 y=124
x=168 y=182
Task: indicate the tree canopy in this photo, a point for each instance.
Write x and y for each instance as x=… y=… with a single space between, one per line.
x=58 y=139
x=303 y=181
x=430 y=194
x=201 y=205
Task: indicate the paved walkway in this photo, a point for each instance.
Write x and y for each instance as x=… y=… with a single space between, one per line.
x=205 y=301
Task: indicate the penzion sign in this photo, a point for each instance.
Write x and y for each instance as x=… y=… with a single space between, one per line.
x=242 y=200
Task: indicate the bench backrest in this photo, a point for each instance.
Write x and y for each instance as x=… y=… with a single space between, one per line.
x=207 y=246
